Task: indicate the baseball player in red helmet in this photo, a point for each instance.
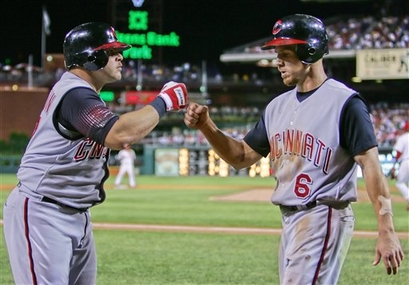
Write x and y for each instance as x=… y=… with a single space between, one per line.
x=316 y=134
x=47 y=226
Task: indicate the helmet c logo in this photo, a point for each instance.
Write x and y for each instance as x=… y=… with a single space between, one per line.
x=277 y=27
x=113 y=32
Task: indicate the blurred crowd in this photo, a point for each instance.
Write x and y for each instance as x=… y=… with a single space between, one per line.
x=369 y=32
x=389 y=121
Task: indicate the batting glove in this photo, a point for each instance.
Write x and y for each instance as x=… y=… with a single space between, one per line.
x=175 y=95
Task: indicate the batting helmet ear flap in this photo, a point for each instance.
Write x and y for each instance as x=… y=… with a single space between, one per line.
x=96 y=60
x=91 y=60
x=311 y=52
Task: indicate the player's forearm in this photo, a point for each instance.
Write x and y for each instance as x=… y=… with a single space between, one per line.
x=384 y=212
x=132 y=127
x=227 y=147
x=377 y=188
x=378 y=192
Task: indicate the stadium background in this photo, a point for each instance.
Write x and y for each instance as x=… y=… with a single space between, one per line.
x=190 y=229
x=236 y=84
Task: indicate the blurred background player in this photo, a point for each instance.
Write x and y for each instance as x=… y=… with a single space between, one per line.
x=316 y=135
x=401 y=148
x=47 y=223
x=127 y=159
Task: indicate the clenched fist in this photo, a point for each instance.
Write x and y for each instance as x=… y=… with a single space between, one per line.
x=196 y=115
x=175 y=95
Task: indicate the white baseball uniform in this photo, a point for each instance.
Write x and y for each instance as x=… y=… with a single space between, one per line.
x=402 y=180
x=127 y=159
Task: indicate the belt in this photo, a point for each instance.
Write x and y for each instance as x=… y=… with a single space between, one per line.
x=52 y=201
x=307 y=206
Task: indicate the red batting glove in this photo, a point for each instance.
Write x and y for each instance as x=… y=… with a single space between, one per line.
x=175 y=95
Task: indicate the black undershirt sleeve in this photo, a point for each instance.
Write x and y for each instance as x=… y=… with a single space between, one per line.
x=356 y=129
x=257 y=138
x=83 y=111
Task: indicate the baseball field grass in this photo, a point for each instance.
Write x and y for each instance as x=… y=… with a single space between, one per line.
x=177 y=230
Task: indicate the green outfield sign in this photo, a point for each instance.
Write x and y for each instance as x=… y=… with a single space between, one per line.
x=143 y=40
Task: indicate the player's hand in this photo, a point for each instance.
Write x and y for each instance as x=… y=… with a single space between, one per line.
x=175 y=95
x=388 y=249
x=196 y=115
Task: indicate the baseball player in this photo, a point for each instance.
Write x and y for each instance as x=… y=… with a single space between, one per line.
x=47 y=224
x=316 y=135
x=401 y=148
x=127 y=159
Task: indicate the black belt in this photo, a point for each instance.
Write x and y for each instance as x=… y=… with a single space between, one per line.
x=49 y=200
x=307 y=206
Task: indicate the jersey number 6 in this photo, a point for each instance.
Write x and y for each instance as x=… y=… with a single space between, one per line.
x=302 y=183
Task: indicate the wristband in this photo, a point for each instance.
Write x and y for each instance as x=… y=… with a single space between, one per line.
x=159 y=105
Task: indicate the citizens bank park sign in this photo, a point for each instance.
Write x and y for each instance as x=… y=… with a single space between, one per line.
x=143 y=40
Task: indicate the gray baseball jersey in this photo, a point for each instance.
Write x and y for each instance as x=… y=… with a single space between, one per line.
x=70 y=171
x=311 y=164
x=307 y=158
x=61 y=175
